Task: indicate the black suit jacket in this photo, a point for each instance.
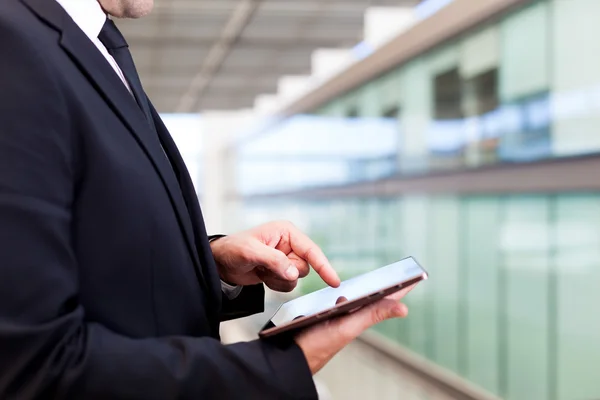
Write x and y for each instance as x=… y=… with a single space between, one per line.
x=108 y=287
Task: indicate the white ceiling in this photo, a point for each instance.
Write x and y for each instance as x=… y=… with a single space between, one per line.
x=220 y=54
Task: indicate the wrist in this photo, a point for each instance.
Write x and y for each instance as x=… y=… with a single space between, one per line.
x=311 y=362
x=215 y=241
x=214 y=238
x=216 y=246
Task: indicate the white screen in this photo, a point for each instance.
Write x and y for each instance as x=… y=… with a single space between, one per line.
x=352 y=289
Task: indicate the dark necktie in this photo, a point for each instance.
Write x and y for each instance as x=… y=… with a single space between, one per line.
x=117 y=47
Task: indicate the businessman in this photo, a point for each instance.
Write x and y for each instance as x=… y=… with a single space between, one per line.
x=110 y=287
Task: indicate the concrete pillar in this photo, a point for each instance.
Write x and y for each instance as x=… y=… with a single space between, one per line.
x=220 y=197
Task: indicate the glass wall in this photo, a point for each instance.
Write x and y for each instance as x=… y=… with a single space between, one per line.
x=511 y=300
x=523 y=88
x=515 y=279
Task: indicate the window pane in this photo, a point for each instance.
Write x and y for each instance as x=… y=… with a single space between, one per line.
x=480 y=342
x=576 y=73
x=525 y=53
x=415 y=213
x=526 y=245
x=443 y=263
x=578 y=296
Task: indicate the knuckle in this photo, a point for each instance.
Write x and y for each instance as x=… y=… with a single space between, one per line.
x=247 y=251
x=280 y=260
x=342 y=332
x=279 y=264
x=285 y=223
x=347 y=334
x=309 y=254
x=379 y=315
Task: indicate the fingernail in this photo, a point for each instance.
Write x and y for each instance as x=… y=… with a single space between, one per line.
x=292 y=273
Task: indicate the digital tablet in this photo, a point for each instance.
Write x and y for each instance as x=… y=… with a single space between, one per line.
x=349 y=296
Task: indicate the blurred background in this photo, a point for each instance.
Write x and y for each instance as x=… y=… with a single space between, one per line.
x=464 y=133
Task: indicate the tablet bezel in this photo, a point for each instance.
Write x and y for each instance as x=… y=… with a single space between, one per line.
x=338 y=310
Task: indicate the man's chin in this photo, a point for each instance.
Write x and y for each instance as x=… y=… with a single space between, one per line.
x=127 y=8
x=142 y=11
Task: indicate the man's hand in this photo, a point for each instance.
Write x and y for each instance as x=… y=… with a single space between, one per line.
x=323 y=341
x=276 y=253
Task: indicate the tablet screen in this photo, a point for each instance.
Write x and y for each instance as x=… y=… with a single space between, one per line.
x=351 y=289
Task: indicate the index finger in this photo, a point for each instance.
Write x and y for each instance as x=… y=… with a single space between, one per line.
x=305 y=248
x=397 y=296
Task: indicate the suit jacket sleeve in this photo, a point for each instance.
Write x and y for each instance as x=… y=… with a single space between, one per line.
x=251 y=300
x=48 y=349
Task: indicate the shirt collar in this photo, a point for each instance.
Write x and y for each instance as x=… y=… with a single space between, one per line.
x=87 y=14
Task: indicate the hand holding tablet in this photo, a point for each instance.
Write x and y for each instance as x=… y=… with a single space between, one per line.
x=353 y=294
x=357 y=304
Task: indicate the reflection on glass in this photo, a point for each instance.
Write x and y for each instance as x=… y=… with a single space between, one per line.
x=308 y=151
x=446 y=139
x=529 y=139
x=511 y=303
x=516 y=90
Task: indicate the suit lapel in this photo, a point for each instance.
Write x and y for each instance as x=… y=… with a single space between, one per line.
x=189 y=193
x=108 y=84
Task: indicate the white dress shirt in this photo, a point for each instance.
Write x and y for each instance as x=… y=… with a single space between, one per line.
x=90 y=18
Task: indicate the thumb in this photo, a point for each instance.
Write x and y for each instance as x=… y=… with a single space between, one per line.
x=355 y=324
x=384 y=310
x=275 y=262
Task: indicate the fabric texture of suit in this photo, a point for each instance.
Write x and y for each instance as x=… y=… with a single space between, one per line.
x=108 y=287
